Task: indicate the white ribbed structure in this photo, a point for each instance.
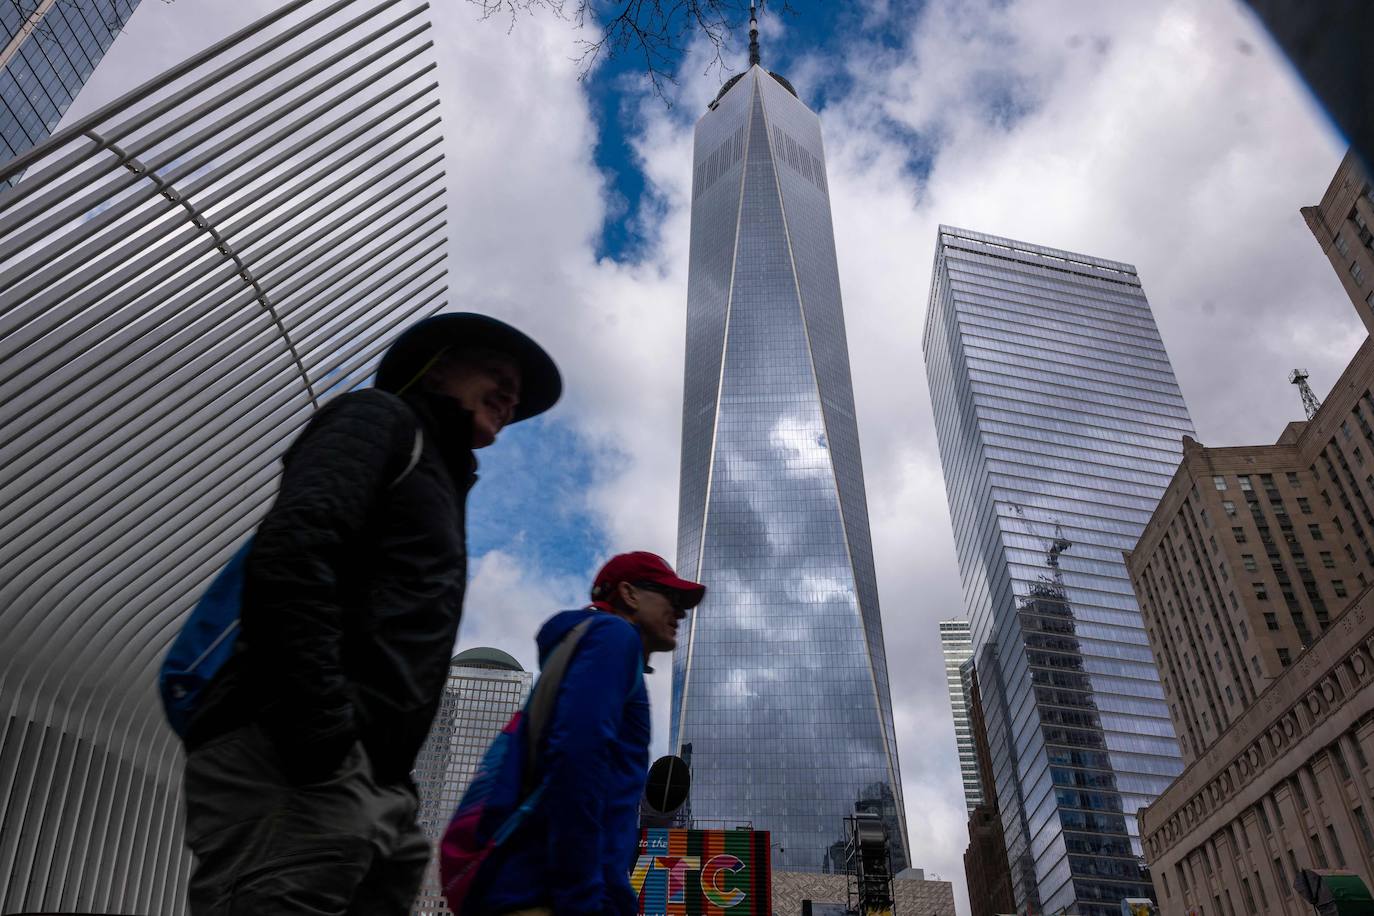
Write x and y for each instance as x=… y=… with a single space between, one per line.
x=184 y=275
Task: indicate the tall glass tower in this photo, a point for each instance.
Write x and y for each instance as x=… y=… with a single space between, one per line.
x=485 y=688
x=51 y=47
x=956 y=645
x=780 y=690
x=1059 y=422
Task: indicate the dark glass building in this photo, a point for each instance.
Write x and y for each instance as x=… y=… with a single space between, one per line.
x=51 y=47
x=780 y=688
x=1059 y=423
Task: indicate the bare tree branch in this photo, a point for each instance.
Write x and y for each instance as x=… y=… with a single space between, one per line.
x=41 y=28
x=657 y=32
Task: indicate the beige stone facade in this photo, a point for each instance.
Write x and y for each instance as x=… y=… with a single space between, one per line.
x=1254 y=579
x=1342 y=223
x=1288 y=786
x=1252 y=552
x=911 y=897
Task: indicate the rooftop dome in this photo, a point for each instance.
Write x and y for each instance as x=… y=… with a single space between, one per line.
x=486 y=657
x=782 y=81
x=730 y=83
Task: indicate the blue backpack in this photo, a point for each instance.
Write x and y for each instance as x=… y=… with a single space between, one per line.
x=208 y=637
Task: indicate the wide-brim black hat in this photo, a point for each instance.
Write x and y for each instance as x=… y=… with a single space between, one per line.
x=411 y=353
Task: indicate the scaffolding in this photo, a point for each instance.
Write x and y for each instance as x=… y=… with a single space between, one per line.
x=868 y=860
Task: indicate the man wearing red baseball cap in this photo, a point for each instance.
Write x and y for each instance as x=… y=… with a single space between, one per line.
x=630 y=575
x=574 y=856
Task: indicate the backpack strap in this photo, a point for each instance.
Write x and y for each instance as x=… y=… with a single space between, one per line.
x=545 y=697
x=415 y=451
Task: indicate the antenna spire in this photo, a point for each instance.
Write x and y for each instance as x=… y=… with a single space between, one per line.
x=753 y=34
x=1310 y=404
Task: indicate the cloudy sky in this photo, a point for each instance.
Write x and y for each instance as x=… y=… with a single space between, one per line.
x=1165 y=134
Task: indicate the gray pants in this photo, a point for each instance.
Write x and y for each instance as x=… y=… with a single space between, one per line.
x=342 y=847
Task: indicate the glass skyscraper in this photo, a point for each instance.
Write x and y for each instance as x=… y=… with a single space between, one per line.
x=956 y=645
x=1059 y=422
x=485 y=687
x=780 y=688
x=51 y=47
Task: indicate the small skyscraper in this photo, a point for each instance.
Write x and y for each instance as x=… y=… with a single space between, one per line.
x=51 y=48
x=1060 y=424
x=780 y=689
x=956 y=644
x=485 y=687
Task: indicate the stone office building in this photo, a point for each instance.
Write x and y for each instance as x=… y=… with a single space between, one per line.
x=1253 y=577
x=912 y=894
x=1288 y=786
x=1341 y=224
x=1244 y=565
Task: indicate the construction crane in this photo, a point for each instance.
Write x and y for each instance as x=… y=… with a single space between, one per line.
x=1053 y=548
x=1309 y=400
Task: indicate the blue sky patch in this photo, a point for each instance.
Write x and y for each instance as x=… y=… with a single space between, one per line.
x=530 y=500
x=816 y=29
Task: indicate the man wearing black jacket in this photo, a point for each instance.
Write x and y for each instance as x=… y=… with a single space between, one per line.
x=298 y=793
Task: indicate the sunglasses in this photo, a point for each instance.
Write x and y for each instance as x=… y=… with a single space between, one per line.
x=675 y=597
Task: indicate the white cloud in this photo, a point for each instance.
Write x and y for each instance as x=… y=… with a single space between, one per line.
x=506 y=605
x=1165 y=134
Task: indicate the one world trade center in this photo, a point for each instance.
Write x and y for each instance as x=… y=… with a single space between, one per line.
x=780 y=686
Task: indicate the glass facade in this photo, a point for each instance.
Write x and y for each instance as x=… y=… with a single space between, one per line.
x=780 y=692
x=1059 y=423
x=956 y=645
x=485 y=687
x=51 y=47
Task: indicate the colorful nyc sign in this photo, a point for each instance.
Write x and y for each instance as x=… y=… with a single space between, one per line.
x=703 y=873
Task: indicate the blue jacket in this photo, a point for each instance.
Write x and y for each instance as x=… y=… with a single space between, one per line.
x=576 y=851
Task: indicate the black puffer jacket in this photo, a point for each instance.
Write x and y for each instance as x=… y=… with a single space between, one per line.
x=353 y=588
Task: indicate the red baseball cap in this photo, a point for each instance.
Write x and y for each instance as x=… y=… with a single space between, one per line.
x=642 y=566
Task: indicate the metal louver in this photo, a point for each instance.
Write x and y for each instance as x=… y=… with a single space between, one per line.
x=184 y=276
